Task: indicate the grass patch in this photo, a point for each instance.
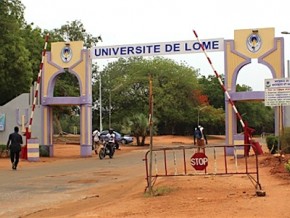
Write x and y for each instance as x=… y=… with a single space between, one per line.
x=159 y=191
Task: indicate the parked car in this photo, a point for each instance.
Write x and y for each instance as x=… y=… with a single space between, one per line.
x=126 y=139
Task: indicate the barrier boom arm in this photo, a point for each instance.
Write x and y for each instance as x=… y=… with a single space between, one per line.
x=38 y=82
x=220 y=81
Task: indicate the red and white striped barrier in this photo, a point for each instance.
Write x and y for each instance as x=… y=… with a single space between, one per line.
x=220 y=81
x=38 y=82
x=28 y=129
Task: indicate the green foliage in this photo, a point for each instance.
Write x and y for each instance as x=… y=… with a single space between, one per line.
x=211 y=87
x=3 y=151
x=137 y=125
x=212 y=119
x=43 y=151
x=285 y=140
x=15 y=68
x=272 y=143
x=68 y=120
x=127 y=82
x=3 y=147
x=257 y=115
x=75 y=31
x=287 y=166
x=67 y=84
x=34 y=42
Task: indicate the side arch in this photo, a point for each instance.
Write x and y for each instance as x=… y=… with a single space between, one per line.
x=79 y=64
x=237 y=55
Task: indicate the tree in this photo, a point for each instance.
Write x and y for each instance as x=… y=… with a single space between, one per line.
x=137 y=124
x=75 y=31
x=66 y=85
x=34 y=42
x=15 y=67
x=211 y=87
x=259 y=117
x=174 y=96
x=173 y=86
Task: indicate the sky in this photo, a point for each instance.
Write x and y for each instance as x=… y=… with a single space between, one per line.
x=122 y=22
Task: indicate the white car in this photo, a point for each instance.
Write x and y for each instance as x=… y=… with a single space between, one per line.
x=126 y=139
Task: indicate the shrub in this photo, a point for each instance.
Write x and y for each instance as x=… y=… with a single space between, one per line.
x=2 y=147
x=3 y=151
x=43 y=151
x=287 y=166
x=272 y=143
x=159 y=191
x=285 y=140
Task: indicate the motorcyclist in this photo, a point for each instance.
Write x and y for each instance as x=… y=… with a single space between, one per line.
x=111 y=137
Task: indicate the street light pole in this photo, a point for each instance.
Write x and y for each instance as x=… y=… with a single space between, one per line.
x=288 y=61
x=198 y=113
x=284 y=116
x=110 y=108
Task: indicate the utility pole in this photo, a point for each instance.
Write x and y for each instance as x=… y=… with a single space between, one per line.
x=100 y=101
x=151 y=133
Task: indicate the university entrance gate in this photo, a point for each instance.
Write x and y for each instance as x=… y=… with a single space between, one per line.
x=71 y=57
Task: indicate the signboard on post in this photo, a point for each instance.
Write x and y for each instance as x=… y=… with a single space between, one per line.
x=199 y=161
x=156 y=48
x=277 y=92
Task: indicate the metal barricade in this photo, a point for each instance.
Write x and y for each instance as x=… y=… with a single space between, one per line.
x=195 y=160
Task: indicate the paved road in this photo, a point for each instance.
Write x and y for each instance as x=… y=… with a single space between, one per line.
x=47 y=184
x=38 y=186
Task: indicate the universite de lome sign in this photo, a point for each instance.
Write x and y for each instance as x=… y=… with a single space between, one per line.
x=161 y=48
x=277 y=91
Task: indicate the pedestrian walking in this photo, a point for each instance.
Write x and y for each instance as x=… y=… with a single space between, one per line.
x=14 y=145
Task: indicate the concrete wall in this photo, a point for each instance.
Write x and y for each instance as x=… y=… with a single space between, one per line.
x=14 y=110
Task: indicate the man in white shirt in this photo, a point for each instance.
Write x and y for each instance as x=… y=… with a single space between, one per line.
x=96 y=140
x=111 y=137
x=203 y=133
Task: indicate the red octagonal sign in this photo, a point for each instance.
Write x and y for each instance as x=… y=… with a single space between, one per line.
x=199 y=161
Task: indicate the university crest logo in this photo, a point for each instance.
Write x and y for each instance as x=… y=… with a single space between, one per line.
x=66 y=54
x=254 y=42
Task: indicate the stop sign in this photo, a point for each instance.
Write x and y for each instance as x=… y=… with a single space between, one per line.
x=199 y=161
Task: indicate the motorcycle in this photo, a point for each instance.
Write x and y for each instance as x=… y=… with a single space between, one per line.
x=107 y=148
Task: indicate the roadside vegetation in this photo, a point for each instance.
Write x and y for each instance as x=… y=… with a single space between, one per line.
x=182 y=97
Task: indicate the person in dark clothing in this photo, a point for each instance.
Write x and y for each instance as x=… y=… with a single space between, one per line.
x=14 y=144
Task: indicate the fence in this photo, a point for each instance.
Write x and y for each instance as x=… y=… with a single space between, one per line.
x=202 y=160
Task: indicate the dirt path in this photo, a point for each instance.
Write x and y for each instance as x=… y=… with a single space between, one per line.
x=201 y=196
